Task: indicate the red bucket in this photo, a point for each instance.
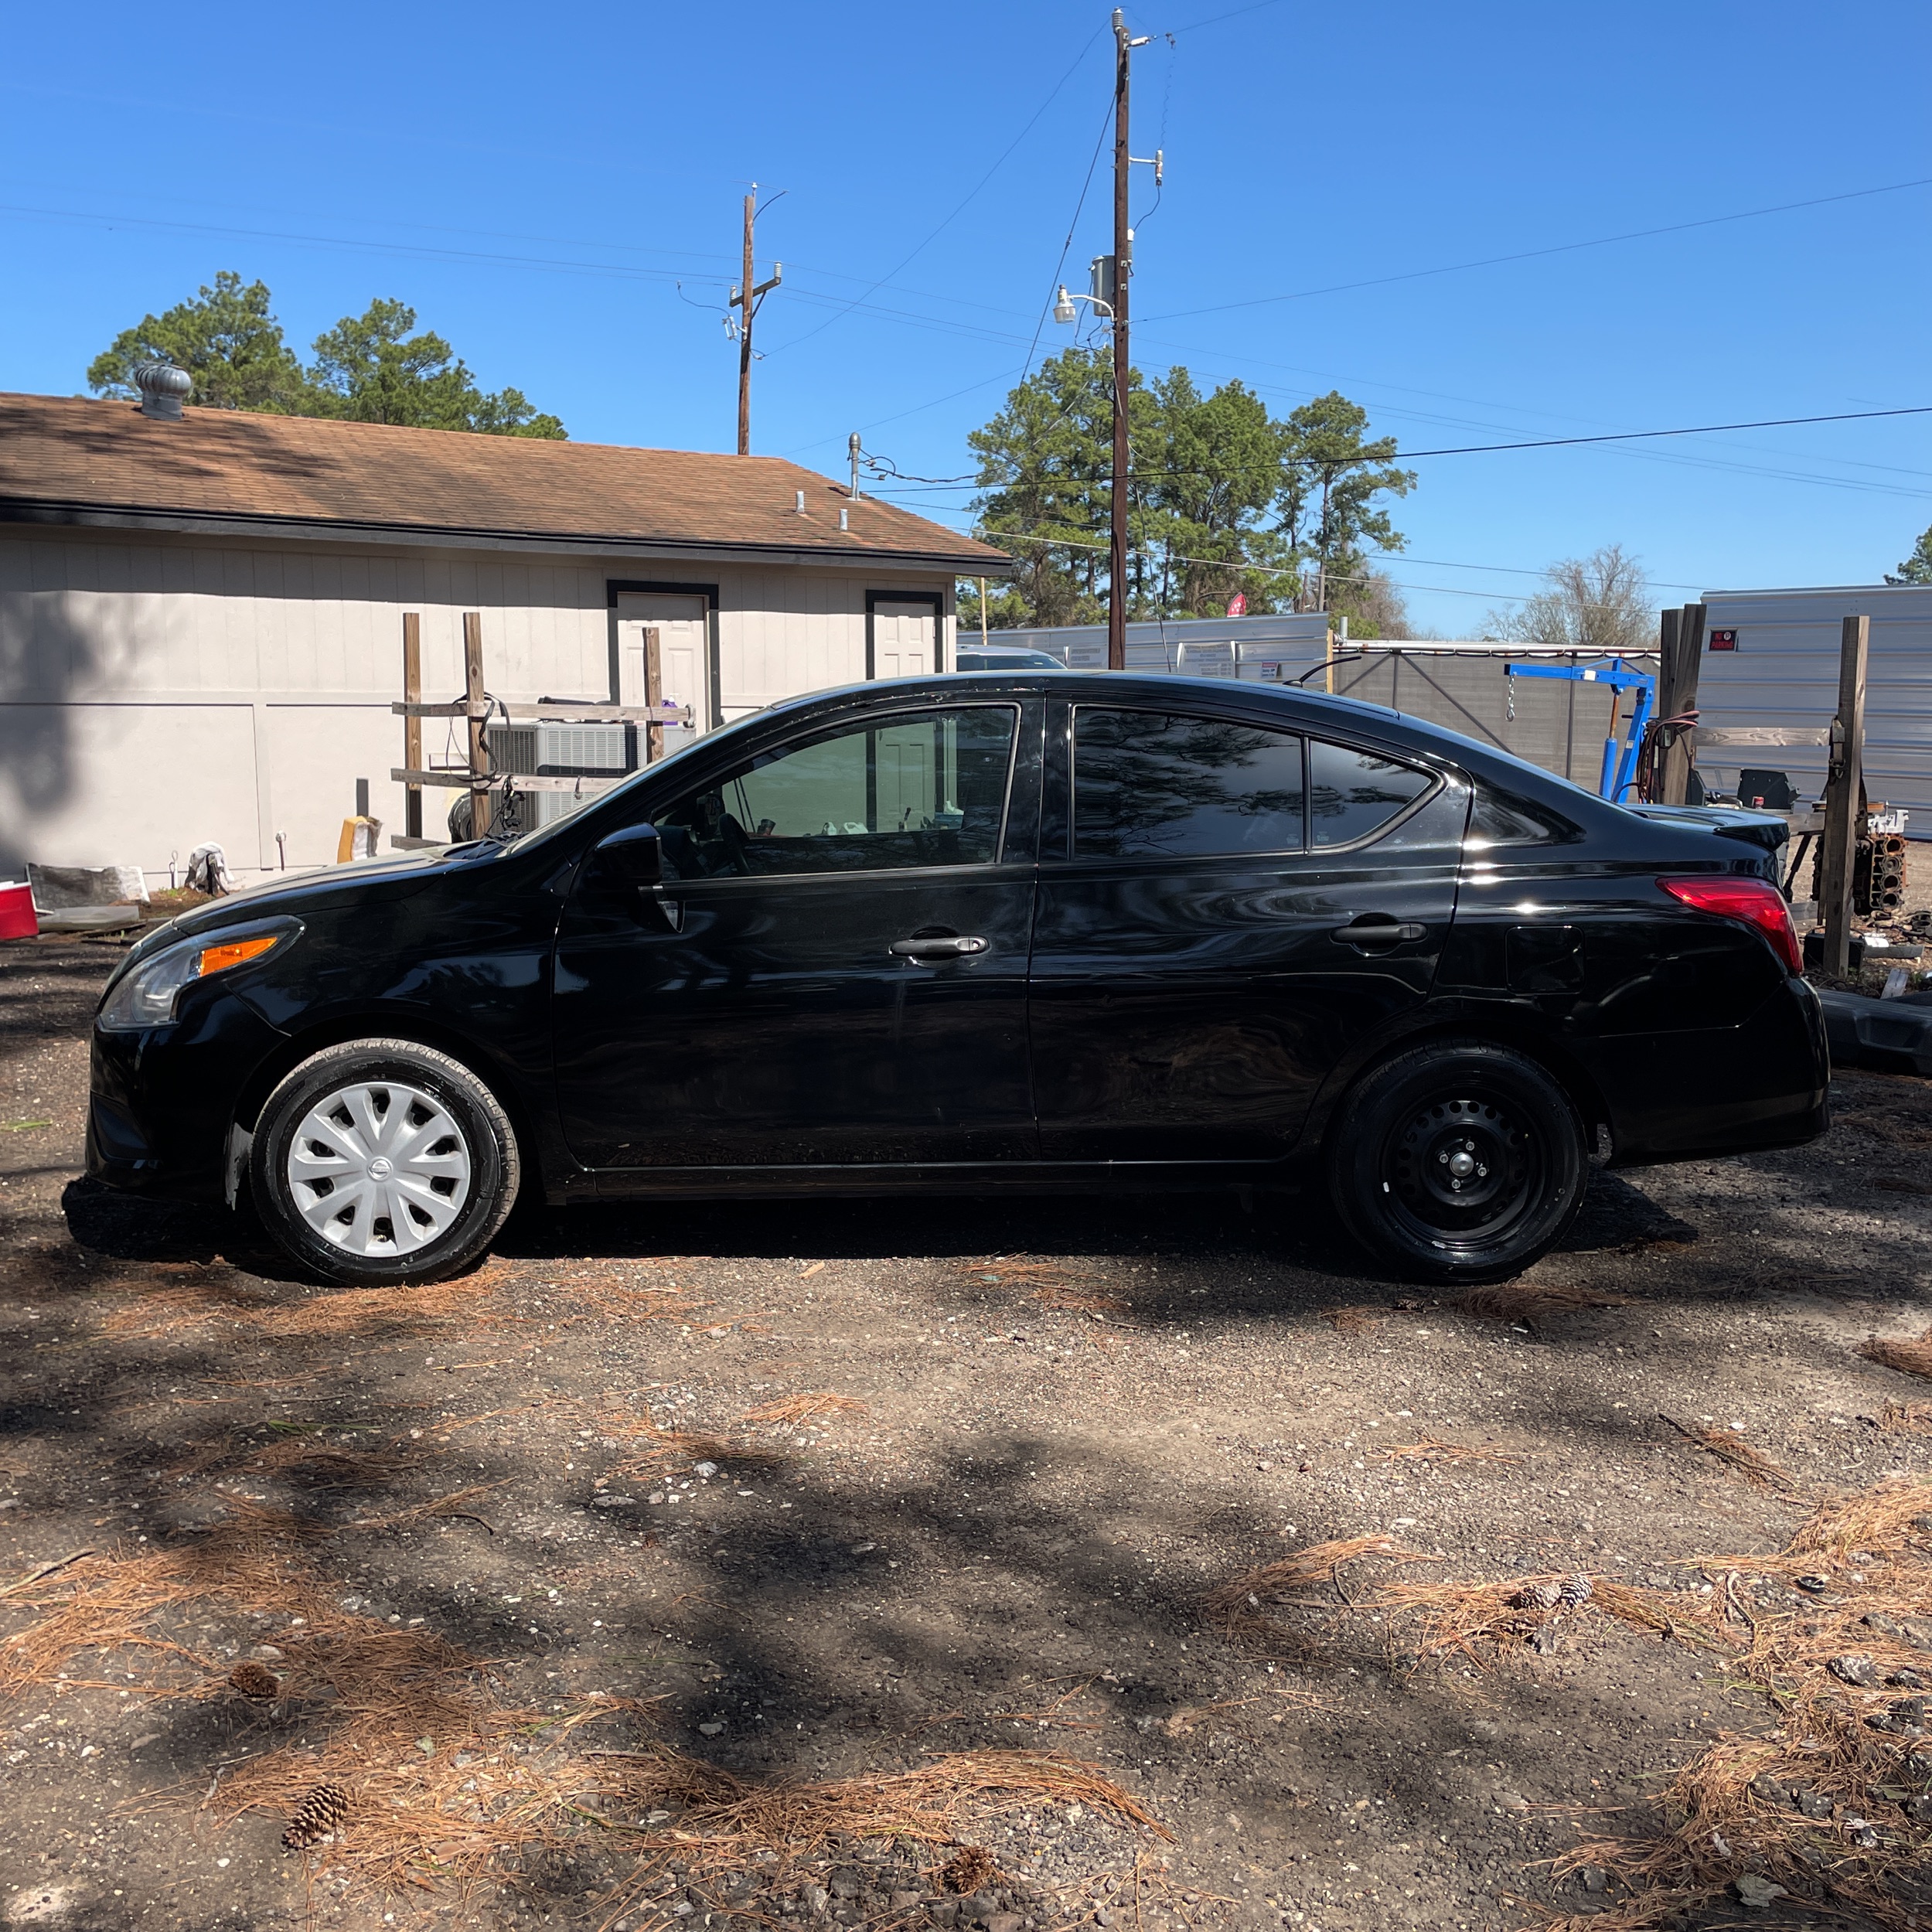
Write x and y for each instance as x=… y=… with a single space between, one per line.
x=17 y=920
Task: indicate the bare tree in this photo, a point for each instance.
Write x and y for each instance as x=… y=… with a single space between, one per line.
x=1600 y=603
x=1371 y=601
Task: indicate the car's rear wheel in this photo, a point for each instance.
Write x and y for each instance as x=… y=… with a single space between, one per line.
x=381 y=1161
x=1459 y=1161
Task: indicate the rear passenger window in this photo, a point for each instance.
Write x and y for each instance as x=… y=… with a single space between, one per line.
x=1161 y=784
x=1351 y=793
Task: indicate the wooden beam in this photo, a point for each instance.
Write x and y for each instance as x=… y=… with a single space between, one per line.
x=412 y=724
x=1843 y=789
x=474 y=694
x=1680 y=663
x=460 y=779
x=564 y=712
x=653 y=691
x=1765 y=737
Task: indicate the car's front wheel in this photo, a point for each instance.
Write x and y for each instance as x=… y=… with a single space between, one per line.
x=1459 y=1160
x=381 y=1161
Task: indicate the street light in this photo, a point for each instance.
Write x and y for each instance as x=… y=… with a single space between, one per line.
x=1064 y=311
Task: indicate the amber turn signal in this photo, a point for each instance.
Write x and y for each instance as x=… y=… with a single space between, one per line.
x=218 y=959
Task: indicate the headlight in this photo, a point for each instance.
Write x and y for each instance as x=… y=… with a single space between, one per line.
x=146 y=997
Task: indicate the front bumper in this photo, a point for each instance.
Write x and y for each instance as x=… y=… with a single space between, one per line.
x=162 y=1101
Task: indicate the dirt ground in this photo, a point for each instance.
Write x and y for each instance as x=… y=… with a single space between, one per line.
x=749 y=1564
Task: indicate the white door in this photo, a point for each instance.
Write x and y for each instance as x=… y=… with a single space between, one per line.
x=904 y=640
x=684 y=656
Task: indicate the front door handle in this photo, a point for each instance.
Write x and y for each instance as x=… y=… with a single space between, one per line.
x=951 y=945
x=1377 y=932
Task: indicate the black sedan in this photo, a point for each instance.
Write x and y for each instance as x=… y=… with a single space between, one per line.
x=971 y=934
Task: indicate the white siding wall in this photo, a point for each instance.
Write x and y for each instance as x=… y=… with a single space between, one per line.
x=156 y=692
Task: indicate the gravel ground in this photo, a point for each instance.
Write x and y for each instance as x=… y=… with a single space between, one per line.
x=1002 y=1542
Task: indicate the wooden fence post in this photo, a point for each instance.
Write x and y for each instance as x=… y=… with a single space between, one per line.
x=653 y=693
x=412 y=727
x=1843 y=789
x=480 y=798
x=1681 y=641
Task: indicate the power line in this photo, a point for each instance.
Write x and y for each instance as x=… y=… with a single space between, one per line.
x=1214 y=20
x=1265 y=569
x=1645 y=435
x=634 y=273
x=961 y=207
x=1560 y=248
x=1482 y=449
x=1059 y=267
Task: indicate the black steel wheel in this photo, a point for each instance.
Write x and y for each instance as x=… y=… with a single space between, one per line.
x=1460 y=1160
x=383 y=1161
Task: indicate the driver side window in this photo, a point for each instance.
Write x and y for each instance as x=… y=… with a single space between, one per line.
x=916 y=788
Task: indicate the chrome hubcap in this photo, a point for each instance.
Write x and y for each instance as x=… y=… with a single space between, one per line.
x=378 y=1168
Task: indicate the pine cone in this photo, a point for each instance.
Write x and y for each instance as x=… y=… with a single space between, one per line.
x=1533 y=1596
x=1576 y=1590
x=971 y=1869
x=255 y=1682
x=320 y=1814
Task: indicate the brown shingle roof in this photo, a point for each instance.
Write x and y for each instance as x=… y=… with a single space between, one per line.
x=66 y=458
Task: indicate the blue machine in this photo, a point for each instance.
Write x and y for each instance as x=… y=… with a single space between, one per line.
x=1619 y=761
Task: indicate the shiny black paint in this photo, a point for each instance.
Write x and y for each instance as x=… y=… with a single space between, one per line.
x=1189 y=1009
x=1187 y=1021
x=775 y=1026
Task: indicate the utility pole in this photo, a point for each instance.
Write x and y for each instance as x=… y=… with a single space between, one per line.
x=1123 y=361
x=1321 y=567
x=750 y=299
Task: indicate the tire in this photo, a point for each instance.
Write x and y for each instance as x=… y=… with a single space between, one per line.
x=1515 y=1140
x=411 y=1143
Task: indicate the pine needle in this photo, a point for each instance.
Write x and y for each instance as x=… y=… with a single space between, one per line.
x=793 y=1412
x=1354 y=1320
x=1728 y=1446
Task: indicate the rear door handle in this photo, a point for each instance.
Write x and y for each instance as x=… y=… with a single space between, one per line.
x=952 y=946
x=1377 y=932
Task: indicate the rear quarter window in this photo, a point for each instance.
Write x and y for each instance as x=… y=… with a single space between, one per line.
x=1353 y=793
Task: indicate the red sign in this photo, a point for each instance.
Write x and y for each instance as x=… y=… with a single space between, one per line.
x=1238 y=604
x=1723 y=640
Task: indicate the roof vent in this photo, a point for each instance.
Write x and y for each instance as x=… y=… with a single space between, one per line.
x=163 y=388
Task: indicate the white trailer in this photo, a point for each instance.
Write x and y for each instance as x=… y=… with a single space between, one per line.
x=1769 y=664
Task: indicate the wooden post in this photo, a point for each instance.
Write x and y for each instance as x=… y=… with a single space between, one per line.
x=1843 y=789
x=1663 y=772
x=653 y=693
x=1679 y=666
x=412 y=727
x=480 y=801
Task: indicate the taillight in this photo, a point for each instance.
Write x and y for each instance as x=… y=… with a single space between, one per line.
x=1755 y=902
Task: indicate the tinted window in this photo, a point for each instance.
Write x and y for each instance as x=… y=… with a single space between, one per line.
x=1350 y=793
x=919 y=789
x=1157 y=783
x=1495 y=820
x=978 y=660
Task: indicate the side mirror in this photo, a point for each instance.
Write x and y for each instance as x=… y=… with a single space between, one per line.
x=634 y=855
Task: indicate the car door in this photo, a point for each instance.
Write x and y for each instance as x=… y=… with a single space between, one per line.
x=1224 y=907
x=833 y=971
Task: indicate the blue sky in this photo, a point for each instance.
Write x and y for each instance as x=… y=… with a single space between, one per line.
x=537 y=184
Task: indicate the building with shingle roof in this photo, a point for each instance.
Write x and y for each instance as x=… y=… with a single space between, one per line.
x=201 y=617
